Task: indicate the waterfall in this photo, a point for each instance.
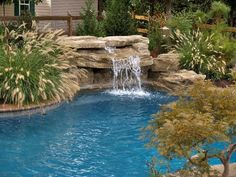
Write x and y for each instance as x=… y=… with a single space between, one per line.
x=126 y=75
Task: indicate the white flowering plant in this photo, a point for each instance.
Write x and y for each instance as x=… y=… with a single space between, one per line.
x=200 y=53
x=35 y=70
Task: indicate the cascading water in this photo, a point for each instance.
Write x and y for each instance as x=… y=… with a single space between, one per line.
x=126 y=75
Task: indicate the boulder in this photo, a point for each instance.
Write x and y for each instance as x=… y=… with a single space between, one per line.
x=84 y=76
x=92 y=42
x=177 y=81
x=102 y=59
x=85 y=44
x=122 y=41
x=166 y=63
x=103 y=76
x=91 y=52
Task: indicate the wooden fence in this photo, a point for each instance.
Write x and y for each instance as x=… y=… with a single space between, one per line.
x=200 y=26
x=69 y=18
x=143 y=18
x=208 y=26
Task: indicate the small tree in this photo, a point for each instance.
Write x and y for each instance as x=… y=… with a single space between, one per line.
x=118 y=18
x=193 y=124
x=90 y=25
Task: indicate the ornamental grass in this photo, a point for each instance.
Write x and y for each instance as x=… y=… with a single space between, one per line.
x=34 y=67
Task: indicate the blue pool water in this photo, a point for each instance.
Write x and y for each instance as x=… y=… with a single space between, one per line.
x=96 y=135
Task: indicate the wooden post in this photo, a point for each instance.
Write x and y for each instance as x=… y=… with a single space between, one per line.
x=69 y=23
x=100 y=8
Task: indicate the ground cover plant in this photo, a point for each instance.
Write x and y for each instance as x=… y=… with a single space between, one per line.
x=203 y=116
x=32 y=67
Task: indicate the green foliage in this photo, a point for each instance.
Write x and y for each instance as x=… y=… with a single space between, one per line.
x=210 y=52
x=155 y=36
x=34 y=71
x=182 y=21
x=27 y=19
x=219 y=10
x=140 y=7
x=199 y=52
x=2 y=29
x=200 y=17
x=224 y=43
x=118 y=19
x=191 y=5
x=90 y=25
x=202 y=116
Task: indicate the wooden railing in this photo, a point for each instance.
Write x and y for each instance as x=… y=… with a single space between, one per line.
x=200 y=26
x=208 y=26
x=69 y=18
x=143 y=18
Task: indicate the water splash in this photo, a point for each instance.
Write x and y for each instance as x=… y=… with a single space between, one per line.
x=126 y=76
x=110 y=49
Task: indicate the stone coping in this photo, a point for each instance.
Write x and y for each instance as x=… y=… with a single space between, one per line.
x=10 y=110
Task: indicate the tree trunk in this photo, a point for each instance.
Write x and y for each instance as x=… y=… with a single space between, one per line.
x=226 y=169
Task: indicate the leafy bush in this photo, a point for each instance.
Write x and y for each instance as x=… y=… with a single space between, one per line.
x=201 y=54
x=2 y=29
x=204 y=116
x=118 y=20
x=157 y=38
x=219 y=10
x=182 y=21
x=200 y=17
x=90 y=25
x=35 y=71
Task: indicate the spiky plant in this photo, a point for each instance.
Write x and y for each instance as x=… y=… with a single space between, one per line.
x=199 y=53
x=32 y=68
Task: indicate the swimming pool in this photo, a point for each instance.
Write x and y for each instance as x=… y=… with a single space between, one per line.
x=96 y=135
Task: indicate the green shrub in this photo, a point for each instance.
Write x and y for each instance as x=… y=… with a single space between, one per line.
x=90 y=25
x=35 y=72
x=219 y=10
x=157 y=39
x=118 y=19
x=182 y=21
x=155 y=36
x=201 y=54
x=2 y=29
x=200 y=17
